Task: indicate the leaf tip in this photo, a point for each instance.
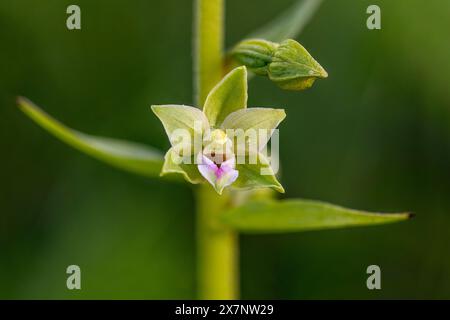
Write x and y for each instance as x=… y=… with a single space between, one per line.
x=22 y=102
x=19 y=100
x=404 y=216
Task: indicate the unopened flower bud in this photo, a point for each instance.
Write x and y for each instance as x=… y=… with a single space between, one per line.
x=288 y=64
x=293 y=68
x=255 y=54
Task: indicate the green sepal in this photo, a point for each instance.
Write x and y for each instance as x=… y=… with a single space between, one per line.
x=229 y=95
x=188 y=171
x=250 y=175
x=253 y=119
x=176 y=117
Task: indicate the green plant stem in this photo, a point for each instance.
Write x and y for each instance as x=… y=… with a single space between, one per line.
x=217 y=248
x=217 y=245
x=208 y=46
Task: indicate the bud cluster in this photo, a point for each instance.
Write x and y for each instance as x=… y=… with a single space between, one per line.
x=288 y=63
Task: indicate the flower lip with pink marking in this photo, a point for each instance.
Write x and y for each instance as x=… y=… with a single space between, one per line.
x=218 y=175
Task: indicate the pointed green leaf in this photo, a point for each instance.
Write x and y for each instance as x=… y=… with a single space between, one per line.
x=188 y=171
x=289 y=23
x=129 y=156
x=271 y=216
x=258 y=175
x=229 y=95
x=179 y=117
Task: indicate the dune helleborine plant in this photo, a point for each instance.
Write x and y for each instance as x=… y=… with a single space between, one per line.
x=222 y=149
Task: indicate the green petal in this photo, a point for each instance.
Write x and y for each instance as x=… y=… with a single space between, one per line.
x=250 y=175
x=129 y=156
x=174 y=117
x=188 y=171
x=270 y=216
x=229 y=95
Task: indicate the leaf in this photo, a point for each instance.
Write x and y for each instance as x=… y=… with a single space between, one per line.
x=176 y=118
x=227 y=96
x=272 y=216
x=258 y=175
x=188 y=171
x=129 y=156
x=288 y=24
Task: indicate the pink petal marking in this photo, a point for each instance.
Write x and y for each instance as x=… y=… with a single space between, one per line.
x=219 y=176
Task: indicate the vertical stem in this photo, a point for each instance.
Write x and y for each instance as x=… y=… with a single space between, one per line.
x=208 y=46
x=217 y=246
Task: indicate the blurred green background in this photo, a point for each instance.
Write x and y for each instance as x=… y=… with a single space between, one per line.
x=375 y=135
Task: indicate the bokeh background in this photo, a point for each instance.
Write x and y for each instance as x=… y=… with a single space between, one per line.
x=375 y=135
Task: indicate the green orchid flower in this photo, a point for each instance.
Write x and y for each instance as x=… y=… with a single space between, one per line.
x=224 y=144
